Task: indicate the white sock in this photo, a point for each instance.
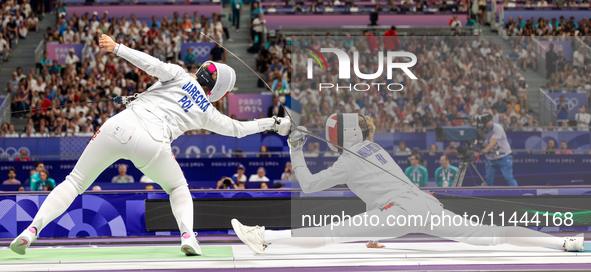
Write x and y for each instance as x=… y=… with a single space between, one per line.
x=274 y=235
x=182 y=208
x=525 y=237
x=54 y=205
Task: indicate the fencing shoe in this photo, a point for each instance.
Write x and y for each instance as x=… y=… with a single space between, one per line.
x=251 y=236
x=189 y=245
x=20 y=244
x=574 y=244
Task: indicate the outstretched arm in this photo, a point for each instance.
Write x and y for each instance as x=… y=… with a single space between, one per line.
x=337 y=174
x=153 y=66
x=222 y=124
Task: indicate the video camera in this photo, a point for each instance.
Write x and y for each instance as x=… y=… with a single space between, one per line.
x=473 y=136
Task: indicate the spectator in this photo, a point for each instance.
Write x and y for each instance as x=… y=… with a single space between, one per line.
x=550 y=148
x=71 y=58
x=11 y=178
x=527 y=57
x=417 y=173
x=562 y=110
x=451 y=149
x=34 y=177
x=122 y=177
x=238 y=153
x=149 y=187
x=500 y=105
x=21 y=189
x=276 y=109
x=226 y=183
x=391 y=42
x=455 y=22
x=218 y=54
x=11 y=133
x=470 y=22
x=258 y=26
x=20 y=102
x=189 y=59
x=402 y=150
x=433 y=150
x=44 y=183
x=260 y=177
x=583 y=118
x=263 y=152
x=236 y=11
x=4 y=47
x=255 y=11
x=565 y=127
x=288 y=173
x=579 y=58
x=446 y=173
x=564 y=149
x=239 y=176
x=23 y=156
x=551 y=61
x=372 y=42
x=280 y=86
x=96 y=188
x=313 y=150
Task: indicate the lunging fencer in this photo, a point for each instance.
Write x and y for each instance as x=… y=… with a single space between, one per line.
x=385 y=196
x=143 y=133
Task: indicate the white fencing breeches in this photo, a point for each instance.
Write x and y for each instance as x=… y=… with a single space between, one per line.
x=122 y=137
x=412 y=214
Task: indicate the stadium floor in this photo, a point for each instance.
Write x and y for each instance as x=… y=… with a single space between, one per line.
x=421 y=255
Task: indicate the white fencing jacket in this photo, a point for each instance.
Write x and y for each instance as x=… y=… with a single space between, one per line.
x=180 y=102
x=374 y=186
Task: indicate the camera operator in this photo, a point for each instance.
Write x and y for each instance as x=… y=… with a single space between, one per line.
x=502 y=158
x=288 y=173
x=226 y=183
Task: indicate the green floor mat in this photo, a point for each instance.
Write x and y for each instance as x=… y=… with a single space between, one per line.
x=112 y=253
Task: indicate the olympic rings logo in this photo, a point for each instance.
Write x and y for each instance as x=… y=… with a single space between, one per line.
x=570 y=103
x=12 y=153
x=201 y=51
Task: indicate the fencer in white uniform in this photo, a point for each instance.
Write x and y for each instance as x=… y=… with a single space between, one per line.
x=143 y=133
x=385 y=196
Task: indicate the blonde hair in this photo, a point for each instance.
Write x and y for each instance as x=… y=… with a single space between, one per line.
x=365 y=124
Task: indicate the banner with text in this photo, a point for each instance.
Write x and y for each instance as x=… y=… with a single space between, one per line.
x=249 y=106
x=59 y=52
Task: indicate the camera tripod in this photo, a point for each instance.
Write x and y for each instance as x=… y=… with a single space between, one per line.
x=468 y=160
x=462 y=168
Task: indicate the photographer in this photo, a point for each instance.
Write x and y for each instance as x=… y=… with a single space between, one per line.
x=226 y=183
x=502 y=158
x=288 y=173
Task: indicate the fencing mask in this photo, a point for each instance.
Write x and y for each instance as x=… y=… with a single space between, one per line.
x=226 y=77
x=343 y=129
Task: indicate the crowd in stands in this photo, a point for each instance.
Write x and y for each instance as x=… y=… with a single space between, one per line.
x=548 y=27
x=384 y=6
x=470 y=76
x=544 y=4
x=458 y=77
x=39 y=179
x=56 y=98
x=17 y=20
